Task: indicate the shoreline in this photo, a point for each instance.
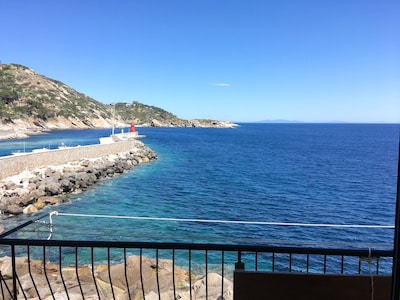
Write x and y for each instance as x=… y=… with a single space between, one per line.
x=12 y=135
x=15 y=133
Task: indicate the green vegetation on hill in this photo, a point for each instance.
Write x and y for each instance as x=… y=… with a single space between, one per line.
x=142 y=113
x=47 y=103
x=25 y=93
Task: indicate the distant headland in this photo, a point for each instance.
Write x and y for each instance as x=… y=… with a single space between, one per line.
x=31 y=103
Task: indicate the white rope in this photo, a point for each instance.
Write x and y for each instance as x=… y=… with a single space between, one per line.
x=229 y=221
x=370 y=274
x=369 y=260
x=53 y=213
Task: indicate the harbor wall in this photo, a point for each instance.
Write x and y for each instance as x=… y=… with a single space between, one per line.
x=14 y=165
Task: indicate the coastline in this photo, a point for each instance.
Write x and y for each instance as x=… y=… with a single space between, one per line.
x=9 y=134
x=32 y=190
x=21 y=131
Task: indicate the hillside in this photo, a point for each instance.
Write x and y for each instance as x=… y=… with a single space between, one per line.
x=30 y=102
x=153 y=116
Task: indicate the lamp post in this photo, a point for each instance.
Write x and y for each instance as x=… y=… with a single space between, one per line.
x=113 y=120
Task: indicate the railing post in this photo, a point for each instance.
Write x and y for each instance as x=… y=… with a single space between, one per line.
x=14 y=270
x=239 y=265
x=396 y=248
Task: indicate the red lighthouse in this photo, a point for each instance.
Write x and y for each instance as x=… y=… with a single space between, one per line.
x=132 y=129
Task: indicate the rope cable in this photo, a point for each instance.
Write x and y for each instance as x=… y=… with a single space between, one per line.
x=230 y=239
x=89 y=232
x=229 y=221
x=74 y=229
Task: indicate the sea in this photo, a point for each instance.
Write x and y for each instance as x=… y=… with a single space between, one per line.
x=311 y=185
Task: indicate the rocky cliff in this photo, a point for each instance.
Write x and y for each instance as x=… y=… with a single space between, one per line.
x=30 y=102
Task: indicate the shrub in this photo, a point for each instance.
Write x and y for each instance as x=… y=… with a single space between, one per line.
x=8 y=96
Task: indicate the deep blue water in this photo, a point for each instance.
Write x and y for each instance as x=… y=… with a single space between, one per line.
x=305 y=173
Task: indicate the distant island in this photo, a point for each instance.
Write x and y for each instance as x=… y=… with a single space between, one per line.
x=31 y=103
x=278 y=121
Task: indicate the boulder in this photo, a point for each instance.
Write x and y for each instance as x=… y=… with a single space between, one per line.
x=9 y=186
x=135 y=161
x=214 y=282
x=35 y=195
x=49 y=200
x=24 y=199
x=39 y=204
x=51 y=186
x=3 y=287
x=49 y=172
x=66 y=186
x=69 y=169
x=13 y=209
x=30 y=209
x=84 y=180
x=149 y=275
x=6 y=269
x=70 y=175
x=85 y=163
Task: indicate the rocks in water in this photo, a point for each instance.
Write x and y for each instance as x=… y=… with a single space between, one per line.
x=30 y=209
x=41 y=187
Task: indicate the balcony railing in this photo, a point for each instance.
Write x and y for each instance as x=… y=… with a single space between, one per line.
x=74 y=269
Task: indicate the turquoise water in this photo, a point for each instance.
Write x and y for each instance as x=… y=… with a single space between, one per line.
x=301 y=173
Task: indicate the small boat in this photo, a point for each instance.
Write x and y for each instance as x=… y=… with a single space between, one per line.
x=123 y=136
x=63 y=146
x=44 y=149
x=19 y=152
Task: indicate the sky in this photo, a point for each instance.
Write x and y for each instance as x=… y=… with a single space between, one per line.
x=243 y=61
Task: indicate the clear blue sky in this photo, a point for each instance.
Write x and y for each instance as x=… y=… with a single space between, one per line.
x=306 y=60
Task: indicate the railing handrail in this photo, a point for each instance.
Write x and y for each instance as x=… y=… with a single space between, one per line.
x=23 y=225
x=199 y=246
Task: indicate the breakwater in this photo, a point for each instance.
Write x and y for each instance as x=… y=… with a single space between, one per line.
x=32 y=181
x=13 y=165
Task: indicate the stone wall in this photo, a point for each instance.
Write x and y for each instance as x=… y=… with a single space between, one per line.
x=14 y=165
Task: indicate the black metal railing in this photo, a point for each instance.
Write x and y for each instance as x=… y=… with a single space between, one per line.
x=53 y=269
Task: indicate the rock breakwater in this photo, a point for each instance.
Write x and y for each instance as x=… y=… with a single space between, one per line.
x=30 y=191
